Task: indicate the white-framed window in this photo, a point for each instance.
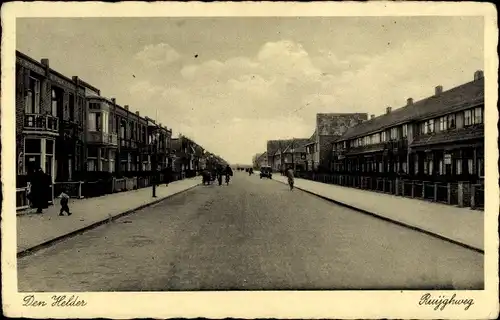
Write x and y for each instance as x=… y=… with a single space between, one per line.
x=470 y=166
x=394 y=133
x=32 y=96
x=441 y=166
x=467 y=117
x=458 y=166
x=478 y=115
x=429 y=126
x=443 y=124
x=405 y=130
x=92 y=121
x=480 y=167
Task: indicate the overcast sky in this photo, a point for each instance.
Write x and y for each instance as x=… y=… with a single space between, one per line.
x=233 y=83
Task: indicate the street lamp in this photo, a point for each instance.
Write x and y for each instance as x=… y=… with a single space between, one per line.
x=154 y=146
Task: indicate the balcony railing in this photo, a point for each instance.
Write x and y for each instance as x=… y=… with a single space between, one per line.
x=41 y=122
x=96 y=137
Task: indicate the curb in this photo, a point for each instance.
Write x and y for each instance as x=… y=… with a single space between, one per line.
x=71 y=234
x=403 y=224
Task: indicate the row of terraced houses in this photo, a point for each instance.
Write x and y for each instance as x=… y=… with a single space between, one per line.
x=431 y=149
x=78 y=136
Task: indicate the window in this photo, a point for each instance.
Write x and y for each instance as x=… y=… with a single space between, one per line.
x=443 y=124
x=103 y=123
x=32 y=98
x=441 y=167
x=384 y=136
x=92 y=121
x=415 y=164
x=32 y=154
x=451 y=121
x=71 y=107
x=394 y=133
x=470 y=166
x=405 y=130
x=478 y=115
x=458 y=166
x=431 y=167
x=429 y=126
x=468 y=117
x=380 y=167
x=480 y=167
x=404 y=167
x=92 y=164
x=49 y=146
x=56 y=101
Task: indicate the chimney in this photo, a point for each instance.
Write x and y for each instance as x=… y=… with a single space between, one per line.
x=45 y=62
x=125 y=107
x=372 y=116
x=137 y=113
x=439 y=90
x=478 y=75
x=113 y=100
x=75 y=79
x=409 y=101
x=388 y=110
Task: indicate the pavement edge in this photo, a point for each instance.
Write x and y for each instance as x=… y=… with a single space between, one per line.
x=406 y=225
x=45 y=244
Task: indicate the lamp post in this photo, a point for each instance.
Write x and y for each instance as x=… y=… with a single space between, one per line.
x=154 y=145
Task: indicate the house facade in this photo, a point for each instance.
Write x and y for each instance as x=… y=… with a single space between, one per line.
x=329 y=128
x=66 y=127
x=50 y=120
x=440 y=138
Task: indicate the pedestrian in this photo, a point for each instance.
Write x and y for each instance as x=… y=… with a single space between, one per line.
x=289 y=174
x=168 y=175
x=38 y=190
x=64 y=203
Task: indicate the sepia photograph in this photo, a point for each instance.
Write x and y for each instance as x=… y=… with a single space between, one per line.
x=207 y=152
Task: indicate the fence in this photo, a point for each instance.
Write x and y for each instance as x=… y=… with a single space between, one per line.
x=461 y=193
x=22 y=201
x=72 y=188
x=91 y=189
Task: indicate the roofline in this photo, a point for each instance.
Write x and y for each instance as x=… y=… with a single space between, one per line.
x=462 y=106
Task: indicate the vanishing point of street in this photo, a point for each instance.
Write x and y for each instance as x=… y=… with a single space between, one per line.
x=254 y=234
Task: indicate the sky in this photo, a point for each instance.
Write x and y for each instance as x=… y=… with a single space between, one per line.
x=232 y=83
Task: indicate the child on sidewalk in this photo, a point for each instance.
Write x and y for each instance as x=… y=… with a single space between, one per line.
x=64 y=203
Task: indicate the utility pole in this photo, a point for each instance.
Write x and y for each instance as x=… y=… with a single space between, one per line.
x=293 y=154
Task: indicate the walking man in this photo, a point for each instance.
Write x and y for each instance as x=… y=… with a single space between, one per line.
x=289 y=174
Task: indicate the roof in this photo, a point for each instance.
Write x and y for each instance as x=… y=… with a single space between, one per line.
x=469 y=133
x=332 y=124
x=467 y=94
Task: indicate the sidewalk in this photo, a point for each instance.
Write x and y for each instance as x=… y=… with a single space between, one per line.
x=35 y=230
x=460 y=225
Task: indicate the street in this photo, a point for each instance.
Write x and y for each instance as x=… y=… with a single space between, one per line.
x=254 y=234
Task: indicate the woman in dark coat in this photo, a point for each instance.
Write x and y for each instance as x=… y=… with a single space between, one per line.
x=39 y=190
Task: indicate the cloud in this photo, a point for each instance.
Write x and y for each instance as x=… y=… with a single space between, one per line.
x=155 y=55
x=235 y=105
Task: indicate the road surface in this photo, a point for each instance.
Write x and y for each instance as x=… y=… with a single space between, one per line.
x=251 y=235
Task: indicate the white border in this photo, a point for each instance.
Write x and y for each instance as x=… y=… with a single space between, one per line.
x=282 y=304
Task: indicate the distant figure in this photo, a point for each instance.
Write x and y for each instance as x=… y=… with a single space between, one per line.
x=289 y=174
x=64 y=203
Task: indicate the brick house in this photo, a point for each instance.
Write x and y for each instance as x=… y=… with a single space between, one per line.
x=329 y=128
x=49 y=119
x=439 y=138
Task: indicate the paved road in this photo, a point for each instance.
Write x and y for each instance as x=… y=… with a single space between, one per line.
x=253 y=234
